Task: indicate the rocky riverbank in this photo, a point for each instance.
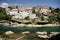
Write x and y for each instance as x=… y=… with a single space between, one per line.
x=32 y=25
x=30 y=36
x=27 y=25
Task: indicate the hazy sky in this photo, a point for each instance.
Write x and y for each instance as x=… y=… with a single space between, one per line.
x=52 y=3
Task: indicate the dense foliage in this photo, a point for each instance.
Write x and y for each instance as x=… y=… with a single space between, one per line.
x=33 y=10
x=4 y=15
x=55 y=15
x=27 y=18
x=57 y=10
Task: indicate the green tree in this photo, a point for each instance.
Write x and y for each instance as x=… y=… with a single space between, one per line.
x=2 y=10
x=42 y=18
x=50 y=8
x=33 y=21
x=56 y=15
x=27 y=18
x=10 y=7
x=51 y=19
x=38 y=14
x=4 y=15
x=33 y=10
x=57 y=10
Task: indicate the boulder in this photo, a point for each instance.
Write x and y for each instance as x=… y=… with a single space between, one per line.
x=43 y=36
x=9 y=32
x=54 y=34
x=41 y=33
x=26 y=32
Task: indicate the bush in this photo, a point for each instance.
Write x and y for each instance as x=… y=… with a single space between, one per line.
x=4 y=16
x=33 y=10
x=27 y=18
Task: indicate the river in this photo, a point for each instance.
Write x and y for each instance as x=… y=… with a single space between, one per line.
x=31 y=29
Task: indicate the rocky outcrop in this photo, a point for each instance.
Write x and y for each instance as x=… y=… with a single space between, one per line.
x=26 y=32
x=53 y=34
x=42 y=34
x=9 y=32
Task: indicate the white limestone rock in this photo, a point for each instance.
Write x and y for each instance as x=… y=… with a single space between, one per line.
x=54 y=34
x=9 y=32
x=43 y=36
x=26 y=32
x=41 y=33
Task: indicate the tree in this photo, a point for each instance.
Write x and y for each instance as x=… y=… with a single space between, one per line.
x=17 y=8
x=33 y=21
x=38 y=14
x=51 y=19
x=33 y=10
x=27 y=18
x=57 y=10
x=42 y=18
x=2 y=10
x=50 y=8
x=56 y=15
x=10 y=7
x=4 y=16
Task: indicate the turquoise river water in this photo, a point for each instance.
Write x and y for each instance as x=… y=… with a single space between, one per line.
x=31 y=29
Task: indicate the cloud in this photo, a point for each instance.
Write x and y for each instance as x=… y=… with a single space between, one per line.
x=4 y=5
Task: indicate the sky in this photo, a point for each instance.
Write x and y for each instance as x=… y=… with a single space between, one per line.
x=51 y=3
